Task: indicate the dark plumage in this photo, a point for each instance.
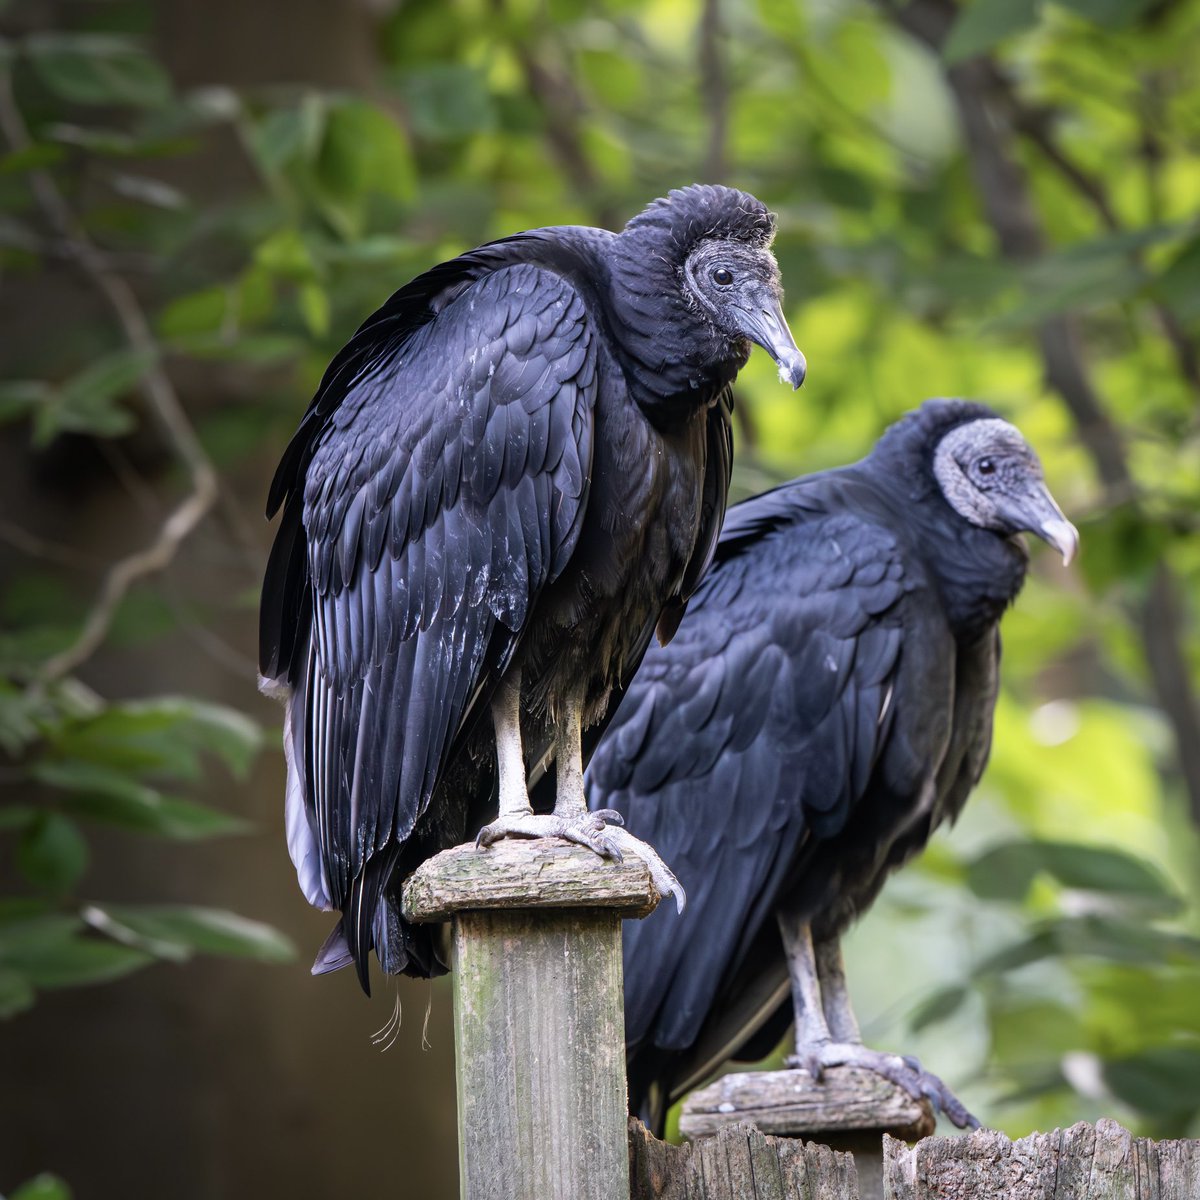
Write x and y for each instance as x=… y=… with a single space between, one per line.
x=825 y=705
x=514 y=469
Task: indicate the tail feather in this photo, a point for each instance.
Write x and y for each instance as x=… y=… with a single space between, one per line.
x=401 y=947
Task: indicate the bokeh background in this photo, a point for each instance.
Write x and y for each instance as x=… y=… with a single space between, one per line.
x=200 y=201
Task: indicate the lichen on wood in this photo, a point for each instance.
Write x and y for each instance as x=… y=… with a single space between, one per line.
x=536 y=873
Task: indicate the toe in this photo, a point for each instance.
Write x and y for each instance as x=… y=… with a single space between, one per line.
x=609 y=815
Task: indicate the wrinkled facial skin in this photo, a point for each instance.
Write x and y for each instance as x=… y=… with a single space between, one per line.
x=990 y=476
x=737 y=287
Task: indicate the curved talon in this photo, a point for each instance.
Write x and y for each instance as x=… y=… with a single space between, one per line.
x=662 y=875
x=610 y=815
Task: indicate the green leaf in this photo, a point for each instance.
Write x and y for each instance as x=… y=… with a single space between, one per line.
x=16 y=993
x=1161 y=1080
x=288 y=135
x=51 y=853
x=19 y=397
x=446 y=100
x=164 y=736
x=32 y=158
x=1093 y=937
x=1114 y=14
x=92 y=68
x=16 y=816
x=178 y=931
x=315 y=308
x=71 y=962
x=100 y=793
x=43 y=1187
x=88 y=402
x=1179 y=284
x=984 y=23
x=1006 y=871
x=943 y=1003
x=364 y=151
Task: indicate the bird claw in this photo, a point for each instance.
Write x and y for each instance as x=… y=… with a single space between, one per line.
x=662 y=875
x=590 y=830
x=585 y=830
x=905 y=1072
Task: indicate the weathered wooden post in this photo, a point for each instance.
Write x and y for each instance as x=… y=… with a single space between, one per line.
x=850 y=1109
x=539 y=1025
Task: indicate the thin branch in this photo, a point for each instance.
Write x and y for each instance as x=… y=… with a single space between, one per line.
x=714 y=88
x=157 y=389
x=48 y=551
x=989 y=134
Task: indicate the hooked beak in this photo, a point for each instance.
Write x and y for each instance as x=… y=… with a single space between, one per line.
x=765 y=324
x=1038 y=512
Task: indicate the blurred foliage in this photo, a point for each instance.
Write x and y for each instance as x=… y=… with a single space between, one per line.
x=1049 y=948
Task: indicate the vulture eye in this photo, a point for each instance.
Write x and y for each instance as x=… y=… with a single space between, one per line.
x=722 y=276
x=985 y=466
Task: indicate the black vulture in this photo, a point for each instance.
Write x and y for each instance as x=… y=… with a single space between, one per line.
x=826 y=704
x=513 y=472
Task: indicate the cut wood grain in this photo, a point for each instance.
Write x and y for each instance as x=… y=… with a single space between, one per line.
x=1086 y=1162
x=738 y=1163
x=521 y=873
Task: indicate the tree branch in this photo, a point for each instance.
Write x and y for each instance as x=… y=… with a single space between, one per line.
x=157 y=389
x=989 y=133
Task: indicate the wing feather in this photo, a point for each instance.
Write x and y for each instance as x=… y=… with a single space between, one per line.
x=760 y=717
x=432 y=517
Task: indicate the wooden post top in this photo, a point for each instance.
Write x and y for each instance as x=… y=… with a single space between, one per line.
x=848 y=1100
x=521 y=873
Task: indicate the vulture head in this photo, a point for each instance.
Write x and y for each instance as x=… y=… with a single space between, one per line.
x=694 y=284
x=991 y=477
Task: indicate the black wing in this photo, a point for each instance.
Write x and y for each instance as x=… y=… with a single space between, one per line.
x=758 y=725
x=441 y=494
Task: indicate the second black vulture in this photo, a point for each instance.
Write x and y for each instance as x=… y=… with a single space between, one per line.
x=514 y=471
x=825 y=706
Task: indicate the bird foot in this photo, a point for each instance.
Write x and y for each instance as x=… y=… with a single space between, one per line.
x=593 y=831
x=904 y=1071
x=588 y=829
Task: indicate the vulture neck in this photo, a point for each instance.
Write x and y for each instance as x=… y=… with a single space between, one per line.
x=675 y=363
x=978 y=574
